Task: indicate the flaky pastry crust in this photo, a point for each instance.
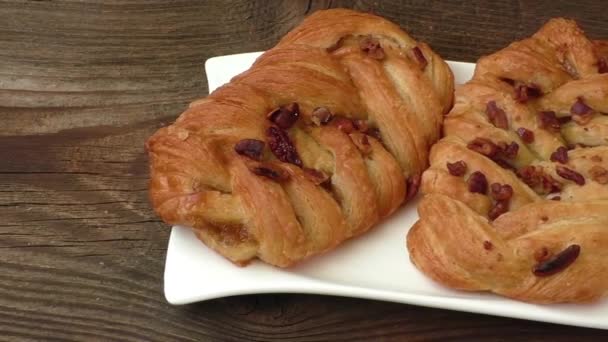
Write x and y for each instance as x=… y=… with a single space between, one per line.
x=327 y=133
x=516 y=197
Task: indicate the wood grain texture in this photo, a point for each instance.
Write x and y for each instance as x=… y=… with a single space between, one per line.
x=83 y=84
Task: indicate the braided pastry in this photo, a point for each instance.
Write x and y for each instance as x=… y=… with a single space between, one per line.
x=516 y=197
x=326 y=134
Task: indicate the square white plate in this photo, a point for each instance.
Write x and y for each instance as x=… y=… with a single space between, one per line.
x=375 y=265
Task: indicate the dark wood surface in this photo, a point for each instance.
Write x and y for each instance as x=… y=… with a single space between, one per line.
x=82 y=84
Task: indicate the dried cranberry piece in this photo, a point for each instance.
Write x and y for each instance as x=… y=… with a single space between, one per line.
x=372 y=48
x=420 y=57
x=458 y=168
x=281 y=146
x=560 y=155
x=285 y=116
x=478 y=183
x=558 y=263
x=251 y=148
x=496 y=115
x=570 y=174
x=526 y=135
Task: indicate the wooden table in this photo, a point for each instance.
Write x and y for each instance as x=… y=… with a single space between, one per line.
x=82 y=85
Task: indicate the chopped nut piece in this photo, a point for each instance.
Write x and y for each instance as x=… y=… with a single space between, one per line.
x=496 y=116
x=526 y=135
x=321 y=116
x=560 y=155
x=501 y=192
x=269 y=171
x=570 y=174
x=484 y=146
x=251 y=148
x=458 y=168
x=557 y=263
x=547 y=120
x=285 y=116
x=478 y=183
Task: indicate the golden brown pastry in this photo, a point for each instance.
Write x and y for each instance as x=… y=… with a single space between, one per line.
x=516 y=197
x=326 y=134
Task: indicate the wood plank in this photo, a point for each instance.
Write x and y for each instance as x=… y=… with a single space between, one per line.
x=83 y=84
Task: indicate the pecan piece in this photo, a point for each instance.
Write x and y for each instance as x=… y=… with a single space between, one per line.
x=251 y=148
x=478 y=183
x=501 y=192
x=526 y=135
x=269 y=171
x=570 y=174
x=581 y=112
x=599 y=174
x=484 y=146
x=510 y=151
x=499 y=208
x=458 y=168
x=560 y=155
x=557 y=263
x=281 y=146
x=547 y=120
x=285 y=116
x=496 y=116
x=537 y=179
x=371 y=46
x=321 y=116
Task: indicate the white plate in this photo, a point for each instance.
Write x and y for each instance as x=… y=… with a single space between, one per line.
x=375 y=265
